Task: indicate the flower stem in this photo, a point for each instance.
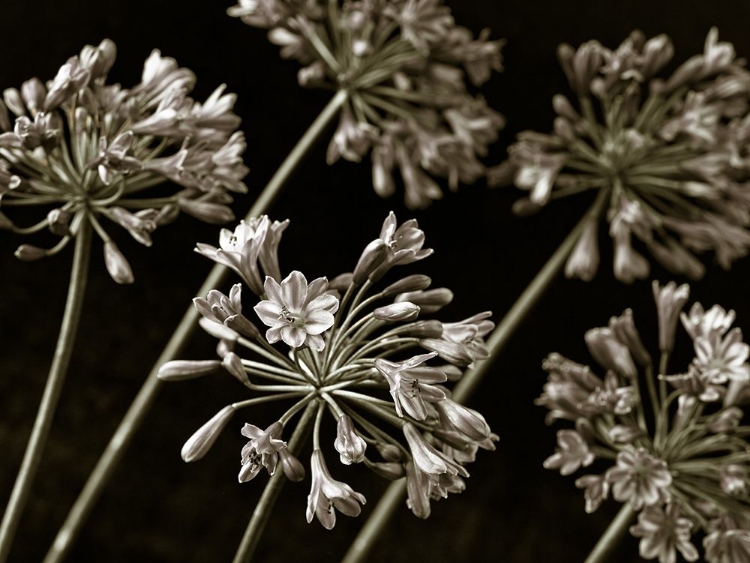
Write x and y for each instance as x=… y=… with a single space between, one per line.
x=612 y=535
x=55 y=380
x=263 y=509
x=396 y=491
x=142 y=403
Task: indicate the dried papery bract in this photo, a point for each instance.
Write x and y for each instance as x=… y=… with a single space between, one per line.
x=669 y=154
x=349 y=351
x=407 y=70
x=668 y=445
x=85 y=150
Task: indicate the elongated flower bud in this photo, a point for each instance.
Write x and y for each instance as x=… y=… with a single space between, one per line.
x=429 y=301
x=426 y=329
x=388 y=470
x=373 y=256
x=397 y=312
x=207 y=211
x=624 y=330
x=30 y=253
x=218 y=330
x=233 y=364
x=292 y=467
x=199 y=443
x=241 y=324
x=609 y=352
x=415 y=282
x=348 y=443
x=467 y=421
x=670 y=300
x=456 y=354
x=117 y=265
x=181 y=370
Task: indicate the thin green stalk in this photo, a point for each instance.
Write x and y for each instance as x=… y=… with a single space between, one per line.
x=612 y=535
x=58 y=370
x=263 y=509
x=396 y=491
x=142 y=403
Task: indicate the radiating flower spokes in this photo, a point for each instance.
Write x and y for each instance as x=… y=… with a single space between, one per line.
x=344 y=351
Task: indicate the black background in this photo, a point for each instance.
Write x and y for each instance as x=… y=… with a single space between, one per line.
x=158 y=508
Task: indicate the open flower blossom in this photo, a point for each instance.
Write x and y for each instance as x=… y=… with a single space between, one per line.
x=404 y=67
x=349 y=348
x=678 y=454
x=667 y=156
x=84 y=150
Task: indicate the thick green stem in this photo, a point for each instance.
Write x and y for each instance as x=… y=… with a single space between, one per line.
x=263 y=509
x=612 y=535
x=500 y=336
x=60 y=362
x=142 y=403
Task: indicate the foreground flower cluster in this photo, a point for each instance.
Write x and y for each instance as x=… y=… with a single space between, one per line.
x=84 y=150
x=350 y=351
x=403 y=65
x=667 y=156
x=676 y=453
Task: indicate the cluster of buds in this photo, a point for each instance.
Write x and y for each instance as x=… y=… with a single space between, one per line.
x=349 y=354
x=403 y=65
x=669 y=156
x=84 y=149
x=677 y=453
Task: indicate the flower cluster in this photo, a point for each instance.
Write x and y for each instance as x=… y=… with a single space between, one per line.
x=676 y=453
x=84 y=149
x=350 y=354
x=403 y=65
x=668 y=157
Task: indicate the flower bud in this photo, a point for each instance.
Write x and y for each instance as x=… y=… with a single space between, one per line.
x=624 y=330
x=218 y=330
x=564 y=108
x=389 y=452
x=726 y=421
x=610 y=353
x=207 y=211
x=33 y=93
x=397 y=312
x=416 y=282
x=199 y=443
x=30 y=253
x=182 y=370
x=59 y=222
x=452 y=372
x=426 y=329
x=387 y=470
x=117 y=265
x=293 y=469
x=167 y=214
x=348 y=443
x=340 y=282
x=670 y=300
x=429 y=301
x=233 y=364
x=456 y=354
x=241 y=324
x=467 y=421
x=373 y=255
x=583 y=262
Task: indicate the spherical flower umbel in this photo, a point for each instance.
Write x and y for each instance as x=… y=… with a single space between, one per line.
x=84 y=150
x=667 y=156
x=346 y=349
x=677 y=454
x=403 y=66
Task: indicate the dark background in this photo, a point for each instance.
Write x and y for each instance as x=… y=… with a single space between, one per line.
x=160 y=509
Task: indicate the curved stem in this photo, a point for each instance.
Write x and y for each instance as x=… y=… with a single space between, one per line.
x=60 y=362
x=141 y=405
x=387 y=505
x=263 y=509
x=612 y=535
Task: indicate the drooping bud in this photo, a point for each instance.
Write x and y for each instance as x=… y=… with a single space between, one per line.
x=30 y=253
x=117 y=265
x=397 y=312
x=182 y=370
x=348 y=443
x=199 y=443
x=292 y=467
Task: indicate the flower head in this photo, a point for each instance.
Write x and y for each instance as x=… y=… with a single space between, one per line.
x=404 y=66
x=665 y=156
x=334 y=348
x=86 y=151
x=671 y=439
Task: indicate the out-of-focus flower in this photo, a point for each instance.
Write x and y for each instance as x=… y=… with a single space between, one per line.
x=84 y=150
x=667 y=157
x=676 y=448
x=332 y=347
x=404 y=66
